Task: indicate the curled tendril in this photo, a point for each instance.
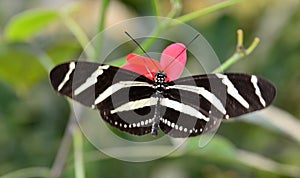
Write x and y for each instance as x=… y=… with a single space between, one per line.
x=240 y=46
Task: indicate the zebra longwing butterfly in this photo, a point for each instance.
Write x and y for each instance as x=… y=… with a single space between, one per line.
x=140 y=100
x=139 y=105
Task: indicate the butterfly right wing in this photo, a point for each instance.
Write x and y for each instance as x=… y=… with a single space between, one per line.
x=204 y=100
x=122 y=97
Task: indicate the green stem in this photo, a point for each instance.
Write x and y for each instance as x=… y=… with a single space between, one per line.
x=252 y=46
x=79 y=34
x=156 y=7
x=229 y=62
x=103 y=12
x=208 y=10
x=42 y=57
x=45 y=60
x=63 y=152
x=78 y=156
x=147 y=43
x=101 y=26
x=176 y=8
x=240 y=52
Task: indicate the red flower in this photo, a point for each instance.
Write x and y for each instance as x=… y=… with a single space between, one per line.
x=172 y=62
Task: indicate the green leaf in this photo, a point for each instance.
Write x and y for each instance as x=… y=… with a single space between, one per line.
x=208 y=10
x=268 y=118
x=29 y=172
x=27 y=24
x=8 y=100
x=218 y=148
x=19 y=67
x=263 y=163
x=221 y=149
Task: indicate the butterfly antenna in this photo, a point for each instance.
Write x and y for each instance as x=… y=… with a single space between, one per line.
x=182 y=51
x=147 y=68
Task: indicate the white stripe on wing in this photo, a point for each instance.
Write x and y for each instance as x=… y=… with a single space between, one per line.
x=203 y=92
x=91 y=80
x=67 y=77
x=231 y=90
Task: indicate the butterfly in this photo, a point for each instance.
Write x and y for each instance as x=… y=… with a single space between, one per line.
x=145 y=96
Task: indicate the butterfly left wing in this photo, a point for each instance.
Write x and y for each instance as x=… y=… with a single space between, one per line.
x=206 y=99
x=122 y=97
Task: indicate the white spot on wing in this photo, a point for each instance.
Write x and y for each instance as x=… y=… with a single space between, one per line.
x=257 y=90
x=231 y=90
x=226 y=116
x=67 y=77
x=173 y=125
x=169 y=123
x=91 y=80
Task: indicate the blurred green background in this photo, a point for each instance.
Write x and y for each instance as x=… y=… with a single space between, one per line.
x=34 y=36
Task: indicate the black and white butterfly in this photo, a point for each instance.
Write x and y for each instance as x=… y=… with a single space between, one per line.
x=137 y=105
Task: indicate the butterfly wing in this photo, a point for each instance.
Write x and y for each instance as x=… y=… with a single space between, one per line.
x=122 y=97
x=214 y=97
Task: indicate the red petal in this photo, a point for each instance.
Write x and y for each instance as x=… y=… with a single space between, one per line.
x=171 y=63
x=139 y=69
x=136 y=63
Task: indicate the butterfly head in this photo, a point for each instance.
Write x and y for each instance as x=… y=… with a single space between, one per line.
x=160 y=81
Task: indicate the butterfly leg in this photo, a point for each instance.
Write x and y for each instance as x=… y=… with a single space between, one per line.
x=156 y=117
